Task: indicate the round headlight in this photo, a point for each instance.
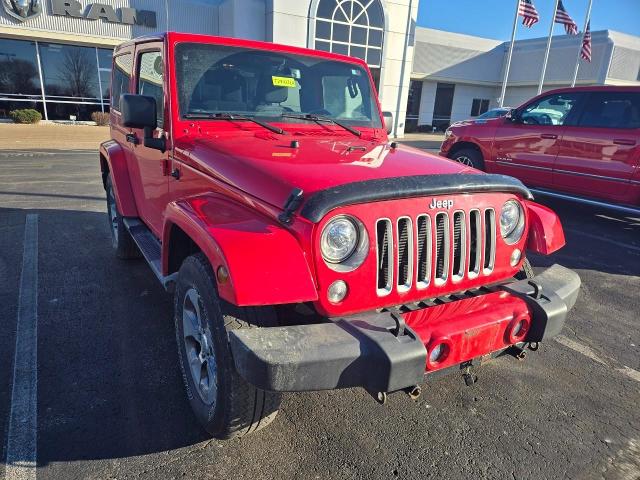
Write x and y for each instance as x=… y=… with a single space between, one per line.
x=511 y=221
x=339 y=239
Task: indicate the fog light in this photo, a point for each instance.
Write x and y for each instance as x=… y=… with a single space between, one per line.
x=518 y=329
x=337 y=291
x=438 y=353
x=515 y=257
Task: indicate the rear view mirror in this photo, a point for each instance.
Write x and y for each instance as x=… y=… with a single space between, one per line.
x=138 y=111
x=388 y=121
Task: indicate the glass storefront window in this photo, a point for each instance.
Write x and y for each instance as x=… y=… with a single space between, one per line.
x=70 y=72
x=105 y=58
x=18 y=69
x=62 y=111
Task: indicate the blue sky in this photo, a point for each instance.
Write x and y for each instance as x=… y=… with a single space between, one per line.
x=494 y=18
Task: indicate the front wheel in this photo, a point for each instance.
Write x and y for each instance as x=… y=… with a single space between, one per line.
x=224 y=403
x=469 y=157
x=121 y=240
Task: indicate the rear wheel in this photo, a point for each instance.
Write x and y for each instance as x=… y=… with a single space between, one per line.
x=121 y=240
x=224 y=403
x=469 y=157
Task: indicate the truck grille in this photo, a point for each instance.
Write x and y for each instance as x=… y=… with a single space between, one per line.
x=438 y=250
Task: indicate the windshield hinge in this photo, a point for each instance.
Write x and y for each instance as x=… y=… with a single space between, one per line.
x=291 y=205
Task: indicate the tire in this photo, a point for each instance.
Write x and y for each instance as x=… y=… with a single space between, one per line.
x=223 y=402
x=121 y=240
x=526 y=271
x=469 y=157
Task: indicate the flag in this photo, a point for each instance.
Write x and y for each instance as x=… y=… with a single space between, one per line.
x=528 y=13
x=563 y=17
x=585 y=52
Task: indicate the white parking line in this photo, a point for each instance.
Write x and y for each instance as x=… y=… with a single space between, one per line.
x=588 y=352
x=632 y=248
x=23 y=421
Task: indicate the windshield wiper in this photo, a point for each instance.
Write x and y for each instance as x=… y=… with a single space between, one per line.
x=321 y=118
x=232 y=117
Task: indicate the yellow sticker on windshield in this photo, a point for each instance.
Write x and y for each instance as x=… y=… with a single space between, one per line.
x=284 y=82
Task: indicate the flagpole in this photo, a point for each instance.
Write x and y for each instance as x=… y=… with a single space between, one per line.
x=584 y=32
x=546 y=53
x=508 y=66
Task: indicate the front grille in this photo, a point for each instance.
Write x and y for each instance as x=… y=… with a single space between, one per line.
x=447 y=248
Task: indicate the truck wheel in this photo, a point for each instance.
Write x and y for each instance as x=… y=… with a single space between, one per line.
x=470 y=158
x=224 y=403
x=121 y=239
x=526 y=271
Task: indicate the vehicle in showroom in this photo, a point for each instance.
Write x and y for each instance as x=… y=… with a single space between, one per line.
x=303 y=249
x=579 y=143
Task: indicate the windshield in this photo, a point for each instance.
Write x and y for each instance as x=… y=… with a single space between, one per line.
x=256 y=83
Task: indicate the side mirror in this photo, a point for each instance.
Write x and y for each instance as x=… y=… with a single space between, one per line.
x=388 y=121
x=140 y=111
x=513 y=116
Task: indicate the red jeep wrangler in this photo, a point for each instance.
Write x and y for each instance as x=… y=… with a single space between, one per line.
x=304 y=250
x=577 y=143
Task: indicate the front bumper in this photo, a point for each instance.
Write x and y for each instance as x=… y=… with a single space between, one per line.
x=370 y=351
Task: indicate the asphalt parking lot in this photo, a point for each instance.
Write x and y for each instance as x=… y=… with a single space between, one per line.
x=110 y=400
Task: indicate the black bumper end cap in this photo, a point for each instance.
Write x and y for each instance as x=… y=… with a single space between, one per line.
x=359 y=352
x=550 y=296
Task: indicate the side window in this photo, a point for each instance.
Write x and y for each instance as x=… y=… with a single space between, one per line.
x=121 y=78
x=150 y=73
x=551 y=110
x=612 y=110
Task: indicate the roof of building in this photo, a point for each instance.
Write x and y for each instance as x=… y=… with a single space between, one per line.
x=454 y=57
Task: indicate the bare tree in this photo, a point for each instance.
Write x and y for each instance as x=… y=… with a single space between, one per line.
x=77 y=71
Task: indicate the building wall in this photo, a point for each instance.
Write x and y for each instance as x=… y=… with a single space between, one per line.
x=185 y=15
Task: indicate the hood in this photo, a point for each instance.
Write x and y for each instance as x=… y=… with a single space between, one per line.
x=268 y=167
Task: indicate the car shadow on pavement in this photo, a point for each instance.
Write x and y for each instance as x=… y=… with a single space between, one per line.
x=108 y=379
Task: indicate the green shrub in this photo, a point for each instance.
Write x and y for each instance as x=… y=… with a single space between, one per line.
x=28 y=115
x=101 y=118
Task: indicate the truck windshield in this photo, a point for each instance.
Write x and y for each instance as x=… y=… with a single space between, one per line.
x=257 y=83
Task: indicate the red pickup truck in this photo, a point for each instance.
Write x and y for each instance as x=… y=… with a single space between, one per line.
x=303 y=249
x=580 y=143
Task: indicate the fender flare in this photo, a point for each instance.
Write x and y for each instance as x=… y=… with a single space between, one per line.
x=266 y=264
x=115 y=157
x=545 y=230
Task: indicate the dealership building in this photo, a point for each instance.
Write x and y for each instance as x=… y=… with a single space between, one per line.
x=55 y=55
x=456 y=77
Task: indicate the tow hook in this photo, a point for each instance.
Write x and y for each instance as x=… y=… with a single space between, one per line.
x=469 y=377
x=414 y=392
x=519 y=353
x=380 y=397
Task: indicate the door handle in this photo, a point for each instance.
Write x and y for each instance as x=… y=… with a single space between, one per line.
x=132 y=138
x=551 y=136
x=624 y=141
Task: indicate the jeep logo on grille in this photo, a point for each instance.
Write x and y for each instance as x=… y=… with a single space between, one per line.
x=441 y=203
